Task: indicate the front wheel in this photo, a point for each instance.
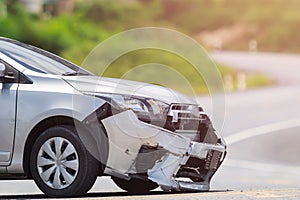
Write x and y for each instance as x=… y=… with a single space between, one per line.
x=60 y=164
x=135 y=186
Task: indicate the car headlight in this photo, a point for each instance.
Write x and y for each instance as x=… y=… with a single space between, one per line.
x=125 y=102
x=146 y=109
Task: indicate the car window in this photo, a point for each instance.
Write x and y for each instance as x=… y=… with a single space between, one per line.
x=11 y=72
x=39 y=60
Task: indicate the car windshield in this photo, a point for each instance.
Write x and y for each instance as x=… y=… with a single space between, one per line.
x=39 y=60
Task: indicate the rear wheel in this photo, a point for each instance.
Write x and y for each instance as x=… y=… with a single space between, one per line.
x=135 y=186
x=60 y=164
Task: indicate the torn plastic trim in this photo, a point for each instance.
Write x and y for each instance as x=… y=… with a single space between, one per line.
x=147 y=157
x=212 y=159
x=200 y=150
x=193 y=186
x=127 y=135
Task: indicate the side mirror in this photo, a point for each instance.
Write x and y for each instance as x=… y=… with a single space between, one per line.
x=2 y=70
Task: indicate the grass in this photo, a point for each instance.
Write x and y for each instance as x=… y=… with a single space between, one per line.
x=258 y=80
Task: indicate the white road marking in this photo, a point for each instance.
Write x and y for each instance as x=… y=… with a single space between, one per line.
x=256 y=132
x=262 y=130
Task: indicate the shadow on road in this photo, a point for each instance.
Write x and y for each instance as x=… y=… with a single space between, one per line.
x=104 y=194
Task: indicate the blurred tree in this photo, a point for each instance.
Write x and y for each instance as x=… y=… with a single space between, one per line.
x=146 y=1
x=172 y=8
x=11 y=6
x=32 y=6
x=3 y=9
x=64 y=6
x=58 y=7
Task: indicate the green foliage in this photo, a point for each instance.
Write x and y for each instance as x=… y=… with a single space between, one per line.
x=158 y=67
x=74 y=35
x=118 y=15
x=56 y=34
x=277 y=22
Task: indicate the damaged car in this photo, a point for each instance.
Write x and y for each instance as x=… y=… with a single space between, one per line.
x=63 y=127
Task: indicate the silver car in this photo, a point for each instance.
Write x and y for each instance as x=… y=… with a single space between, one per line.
x=63 y=127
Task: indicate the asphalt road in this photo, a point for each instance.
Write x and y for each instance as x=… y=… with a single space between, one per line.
x=261 y=128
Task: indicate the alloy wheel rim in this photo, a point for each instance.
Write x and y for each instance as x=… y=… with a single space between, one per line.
x=58 y=163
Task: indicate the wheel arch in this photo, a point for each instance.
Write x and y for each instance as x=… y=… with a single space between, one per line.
x=37 y=130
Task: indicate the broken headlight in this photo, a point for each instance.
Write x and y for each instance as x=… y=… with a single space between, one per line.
x=147 y=109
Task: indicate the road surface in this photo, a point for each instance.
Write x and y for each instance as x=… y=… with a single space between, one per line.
x=262 y=126
x=262 y=129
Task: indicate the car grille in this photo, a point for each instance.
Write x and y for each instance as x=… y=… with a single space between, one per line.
x=189 y=120
x=181 y=113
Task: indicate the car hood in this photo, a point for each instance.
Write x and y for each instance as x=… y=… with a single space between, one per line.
x=96 y=85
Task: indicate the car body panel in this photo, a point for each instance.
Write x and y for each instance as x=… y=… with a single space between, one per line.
x=48 y=97
x=94 y=84
x=8 y=100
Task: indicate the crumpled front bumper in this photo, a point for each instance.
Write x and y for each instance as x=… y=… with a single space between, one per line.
x=141 y=150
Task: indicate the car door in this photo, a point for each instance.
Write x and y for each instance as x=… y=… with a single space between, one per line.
x=8 y=99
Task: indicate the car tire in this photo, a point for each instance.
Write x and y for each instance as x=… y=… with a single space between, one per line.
x=135 y=186
x=60 y=164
